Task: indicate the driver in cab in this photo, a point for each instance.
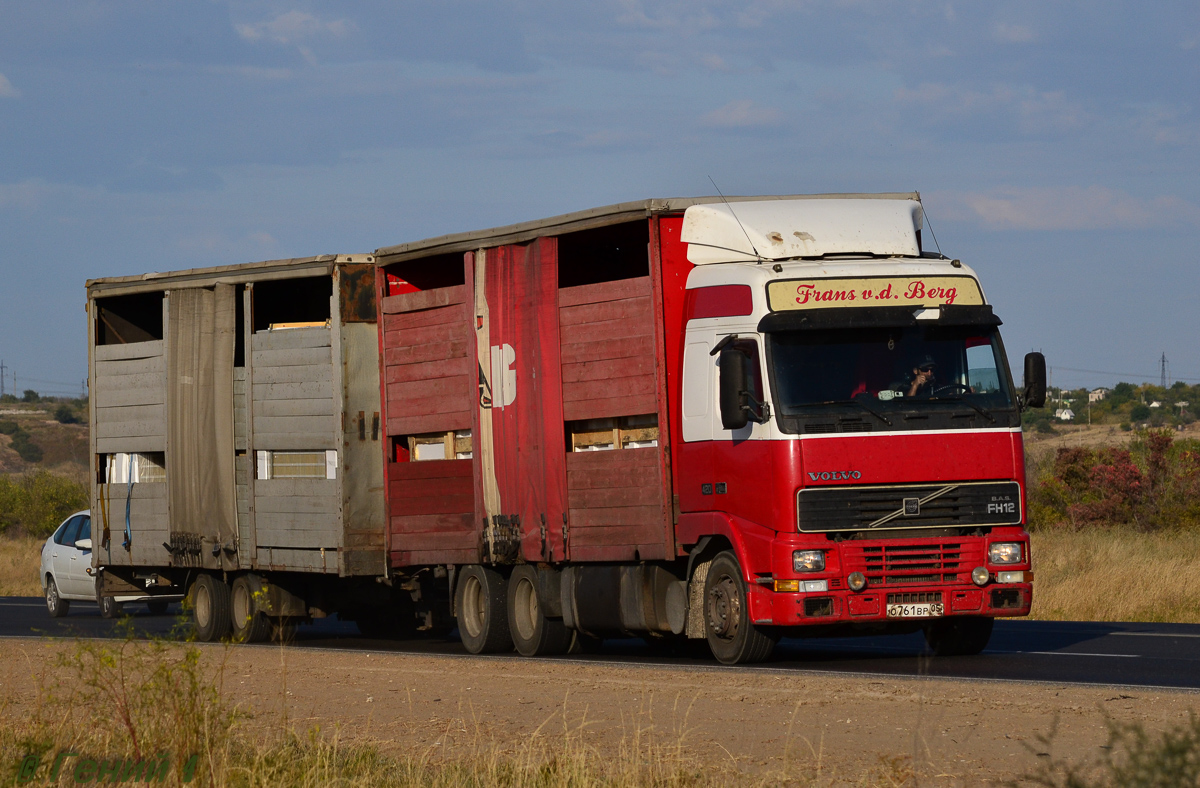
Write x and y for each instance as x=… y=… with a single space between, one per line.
x=919 y=382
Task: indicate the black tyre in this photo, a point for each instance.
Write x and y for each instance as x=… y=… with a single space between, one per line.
x=482 y=610
x=210 y=608
x=533 y=634
x=56 y=606
x=732 y=636
x=109 y=607
x=247 y=622
x=158 y=607
x=956 y=637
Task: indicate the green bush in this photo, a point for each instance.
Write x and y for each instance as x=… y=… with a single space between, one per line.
x=1132 y=759
x=1139 y=412
x=37 y=502
x=8 y=427
x=24 y=446
x=64 y=414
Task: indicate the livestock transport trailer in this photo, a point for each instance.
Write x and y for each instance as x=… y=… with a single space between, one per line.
x=706 y=419
x=235 y=441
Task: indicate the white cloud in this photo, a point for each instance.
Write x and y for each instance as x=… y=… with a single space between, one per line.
x=7 y=90
x=743 y=113
x=1035 y=110
x=293 y=27
x=1064 y=208
x=1012 y=34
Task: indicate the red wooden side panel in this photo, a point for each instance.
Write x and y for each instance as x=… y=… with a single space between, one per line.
x=521 y=284
x=428 y=380
x=616 y=505
x=427 y=368
x=608 y=349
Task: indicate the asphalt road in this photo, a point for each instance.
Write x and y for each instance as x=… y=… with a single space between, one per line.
x=1135 y=655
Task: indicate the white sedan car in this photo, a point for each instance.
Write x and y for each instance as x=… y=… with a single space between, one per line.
x=68 y=576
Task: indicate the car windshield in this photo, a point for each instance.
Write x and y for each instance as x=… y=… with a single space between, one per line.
x=887 y=368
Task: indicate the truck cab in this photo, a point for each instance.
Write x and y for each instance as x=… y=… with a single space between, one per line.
x=848 y=425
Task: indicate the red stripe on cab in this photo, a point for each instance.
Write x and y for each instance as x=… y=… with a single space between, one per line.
x=719 y=301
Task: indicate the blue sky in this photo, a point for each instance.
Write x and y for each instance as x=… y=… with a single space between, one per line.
x=1055 y=143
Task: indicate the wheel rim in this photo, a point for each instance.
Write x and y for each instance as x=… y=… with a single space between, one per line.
x=203 y=608
x=525 y=609
x=241 y=606
x=52 y=596
x=473 y=606
x=724 y=608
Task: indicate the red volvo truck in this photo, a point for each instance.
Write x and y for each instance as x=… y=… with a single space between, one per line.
x=701 y=418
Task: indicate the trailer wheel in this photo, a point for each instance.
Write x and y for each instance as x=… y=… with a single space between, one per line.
x=109 y=607
x=957 y=637
x=482 y=613
x=210 y=608
x=732 y=636
x=533 y=634
x=249 y=624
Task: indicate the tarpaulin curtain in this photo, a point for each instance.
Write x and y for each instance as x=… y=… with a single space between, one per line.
x=200 y=457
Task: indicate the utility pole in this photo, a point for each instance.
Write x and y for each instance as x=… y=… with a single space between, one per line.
x=2 y=368
x=1163 y=371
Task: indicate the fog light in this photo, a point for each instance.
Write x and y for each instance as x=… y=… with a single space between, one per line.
x=787 y=586
x=808 y=560
x=980 y=575
x=1014 y=577
x=816 y=586
x=1005 y=553
x=857 y=581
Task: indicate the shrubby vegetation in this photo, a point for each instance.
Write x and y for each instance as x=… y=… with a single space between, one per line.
x=1152 y=485
x=22 y=443
x=37 y=502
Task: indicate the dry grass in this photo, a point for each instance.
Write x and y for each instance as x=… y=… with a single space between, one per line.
x=1116 y=575
x=163 y=704
x=20 y=560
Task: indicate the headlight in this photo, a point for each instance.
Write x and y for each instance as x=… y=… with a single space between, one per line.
x=980 y=576
x=1005 y=553
x=808 y=560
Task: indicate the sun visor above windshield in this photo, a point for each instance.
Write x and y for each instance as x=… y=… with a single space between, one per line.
x=881 y=317
x=745 y=231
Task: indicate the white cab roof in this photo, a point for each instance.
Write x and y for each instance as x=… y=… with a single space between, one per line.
x=789 y=228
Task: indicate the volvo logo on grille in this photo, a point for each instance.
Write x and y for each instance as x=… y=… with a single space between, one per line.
x=828 y=476
x=912 y=507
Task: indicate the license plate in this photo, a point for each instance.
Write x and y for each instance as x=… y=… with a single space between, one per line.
x=923 y=610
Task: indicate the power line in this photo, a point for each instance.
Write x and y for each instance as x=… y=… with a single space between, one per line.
x=1142 y=375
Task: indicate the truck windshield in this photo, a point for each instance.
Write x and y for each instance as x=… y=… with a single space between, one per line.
x=886 y=369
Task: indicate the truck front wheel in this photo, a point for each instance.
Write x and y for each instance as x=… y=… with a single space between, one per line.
x=533 y=633
x=482 y=610
x=954 y=637
x=732 y=636
x=210 y=608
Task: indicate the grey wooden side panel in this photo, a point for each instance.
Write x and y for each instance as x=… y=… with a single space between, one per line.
x=293 y=407
x=291 y=339
x=133 y=382
x=145 y=395
x=132 y=421
x=306 y=390
x=290 y=358
x=126 y=443
x=299 y=560
x=132 y=350
x=148 y=525
x=299 y=373
x=267 y=488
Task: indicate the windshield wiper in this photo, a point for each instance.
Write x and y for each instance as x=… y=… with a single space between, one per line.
x=860 y=404
x=969 y=404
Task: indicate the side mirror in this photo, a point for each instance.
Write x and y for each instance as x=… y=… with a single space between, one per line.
x=734 y=368
x=83 y=544
x=1035 y=380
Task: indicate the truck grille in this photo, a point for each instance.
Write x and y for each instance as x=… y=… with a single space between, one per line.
x=915 y=599
x=884 y=508
x=909 y=564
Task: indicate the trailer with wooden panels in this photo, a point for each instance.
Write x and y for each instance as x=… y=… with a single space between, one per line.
x=603 y=424
x=235 y=439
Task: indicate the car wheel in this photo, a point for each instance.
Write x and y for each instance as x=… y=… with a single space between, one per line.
x=55 y=604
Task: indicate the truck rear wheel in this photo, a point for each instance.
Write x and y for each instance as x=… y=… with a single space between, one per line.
x=532 y=632
x=956 y=637
x=249 y=624
x=732 y=636
x=210 y=608
x=482 y=610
